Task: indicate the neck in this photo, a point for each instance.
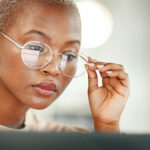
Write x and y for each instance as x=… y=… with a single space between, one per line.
x=12 y=111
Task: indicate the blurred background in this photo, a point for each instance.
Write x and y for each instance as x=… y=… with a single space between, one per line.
x=113 y=31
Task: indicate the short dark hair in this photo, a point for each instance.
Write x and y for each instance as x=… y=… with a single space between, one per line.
x=9 y=7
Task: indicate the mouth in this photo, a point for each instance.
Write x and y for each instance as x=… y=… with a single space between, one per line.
x=47 y=89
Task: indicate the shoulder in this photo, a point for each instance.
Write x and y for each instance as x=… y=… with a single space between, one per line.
x=33 y=123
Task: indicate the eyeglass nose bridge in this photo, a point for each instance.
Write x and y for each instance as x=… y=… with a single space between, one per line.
x=55 y=52
x=56 y=60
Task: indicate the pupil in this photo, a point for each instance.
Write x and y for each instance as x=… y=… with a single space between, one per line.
x=36 y=48
x=70 y=57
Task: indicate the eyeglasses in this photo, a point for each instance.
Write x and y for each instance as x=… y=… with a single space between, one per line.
x=37 y=54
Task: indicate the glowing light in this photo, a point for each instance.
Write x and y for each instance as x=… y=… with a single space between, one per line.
x=97 y=23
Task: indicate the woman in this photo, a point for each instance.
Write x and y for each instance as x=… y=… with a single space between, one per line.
x=52 y=29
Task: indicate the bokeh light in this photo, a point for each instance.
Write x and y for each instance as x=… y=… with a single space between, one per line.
x=97 y=23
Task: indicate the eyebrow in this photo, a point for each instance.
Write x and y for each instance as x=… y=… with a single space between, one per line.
x=74 y=42
x=38 y=32
x=46 y=36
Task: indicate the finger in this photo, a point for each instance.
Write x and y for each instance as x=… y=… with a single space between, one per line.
x=120 y=75
x=103 y=66
x=103 y=75
x=112 y=86
x=92 y=79
x=110 y=66
x=106 y=84
x=95 y=62
x=121 y=90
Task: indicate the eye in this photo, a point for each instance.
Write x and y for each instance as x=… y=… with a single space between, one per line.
x=36 y=48
x=70 y=56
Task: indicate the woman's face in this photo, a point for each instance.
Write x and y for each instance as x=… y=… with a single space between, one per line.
x=60 y=29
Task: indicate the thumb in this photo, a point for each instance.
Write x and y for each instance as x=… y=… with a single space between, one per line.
x=92 y=79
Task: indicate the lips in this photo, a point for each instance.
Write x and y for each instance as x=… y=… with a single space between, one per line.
x=45 y=88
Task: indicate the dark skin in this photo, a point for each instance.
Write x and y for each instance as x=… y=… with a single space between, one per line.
x=61 y=29
x=19 y=91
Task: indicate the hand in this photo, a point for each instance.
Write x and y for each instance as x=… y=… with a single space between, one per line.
x=107 y=102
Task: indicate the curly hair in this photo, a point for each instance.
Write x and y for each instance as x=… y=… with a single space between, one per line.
x=9 y=7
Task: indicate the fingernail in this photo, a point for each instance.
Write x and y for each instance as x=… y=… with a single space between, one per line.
x=108 y=72
x=91 y=64
x=86 y=66
x=92 y=58
x=100 y=66
x=89 y=57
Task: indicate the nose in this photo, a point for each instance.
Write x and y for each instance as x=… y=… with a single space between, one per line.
x=51 y=68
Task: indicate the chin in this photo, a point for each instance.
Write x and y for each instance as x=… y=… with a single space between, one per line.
x=39 y=103
x=38 y=107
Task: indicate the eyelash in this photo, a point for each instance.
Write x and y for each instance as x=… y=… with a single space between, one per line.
x=69 y=54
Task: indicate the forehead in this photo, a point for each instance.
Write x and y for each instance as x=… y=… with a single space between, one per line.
x=58 y=22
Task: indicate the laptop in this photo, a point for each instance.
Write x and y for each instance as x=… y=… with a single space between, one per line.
x=72 y=141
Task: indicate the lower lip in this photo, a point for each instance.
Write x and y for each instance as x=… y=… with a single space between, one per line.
x=43 y=92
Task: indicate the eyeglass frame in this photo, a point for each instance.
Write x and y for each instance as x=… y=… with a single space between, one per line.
x=83 y=56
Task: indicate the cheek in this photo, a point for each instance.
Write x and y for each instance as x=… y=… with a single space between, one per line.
x=65 y=82
x=15 y=79
x=12 y=69
x=10 y=57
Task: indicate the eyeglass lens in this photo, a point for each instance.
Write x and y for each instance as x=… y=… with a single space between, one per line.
x=38 y=54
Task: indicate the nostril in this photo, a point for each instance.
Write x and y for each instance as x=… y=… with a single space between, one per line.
x=45 y=72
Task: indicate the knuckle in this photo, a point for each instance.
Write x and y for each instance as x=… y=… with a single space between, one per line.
x=109 y=64
x=93 y=88
x=121 y=66
x=126 y=75
x=91 y=77
x=100 y=63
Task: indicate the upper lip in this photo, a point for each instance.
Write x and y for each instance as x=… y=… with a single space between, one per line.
x=47 y=86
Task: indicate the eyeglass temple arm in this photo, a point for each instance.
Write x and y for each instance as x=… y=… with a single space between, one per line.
x=86 y=58
x=18 y=45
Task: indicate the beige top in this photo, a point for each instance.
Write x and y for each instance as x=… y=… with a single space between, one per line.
x=32 y=123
